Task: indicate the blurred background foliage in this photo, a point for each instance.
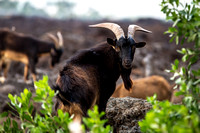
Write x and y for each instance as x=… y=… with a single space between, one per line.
x=59 y=9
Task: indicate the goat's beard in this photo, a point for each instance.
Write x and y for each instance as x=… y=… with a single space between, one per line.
x=125 y=73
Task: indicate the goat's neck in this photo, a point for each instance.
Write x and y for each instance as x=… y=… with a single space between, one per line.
x=45 y=48
x=125 y=74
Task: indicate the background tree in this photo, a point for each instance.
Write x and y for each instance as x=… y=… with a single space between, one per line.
x=8 y=7
x=91 y=14
x=30 y=10
x=64 y=9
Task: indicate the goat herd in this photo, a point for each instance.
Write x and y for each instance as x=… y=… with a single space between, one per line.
x=89 y=77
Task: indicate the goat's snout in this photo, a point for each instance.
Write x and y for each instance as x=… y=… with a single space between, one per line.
x=127 y=63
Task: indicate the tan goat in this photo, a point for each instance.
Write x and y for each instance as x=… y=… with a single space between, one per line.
x=146 y=87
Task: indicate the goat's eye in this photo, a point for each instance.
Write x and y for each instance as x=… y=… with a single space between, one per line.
x=118 y=45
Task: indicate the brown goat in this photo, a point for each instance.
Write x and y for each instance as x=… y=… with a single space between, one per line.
x=146 y=87
x=90 y=76
x=26 y=49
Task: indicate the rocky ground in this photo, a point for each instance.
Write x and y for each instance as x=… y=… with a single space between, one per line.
x=158 y=52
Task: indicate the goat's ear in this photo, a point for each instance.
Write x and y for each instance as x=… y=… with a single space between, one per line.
x=111 y=41
x=140 y=44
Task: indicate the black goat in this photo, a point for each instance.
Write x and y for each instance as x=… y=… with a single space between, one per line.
x=26 y=49
x=90 y=76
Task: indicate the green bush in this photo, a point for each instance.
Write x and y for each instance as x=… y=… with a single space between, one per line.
x=45 y=121
x=186 y=27
x=94 y=122
x=166 y=117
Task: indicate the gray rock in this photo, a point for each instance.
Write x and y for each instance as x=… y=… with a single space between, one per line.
x=124 y=113
x=6 y=89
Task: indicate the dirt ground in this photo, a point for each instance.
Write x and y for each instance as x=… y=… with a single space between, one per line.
x=159 y=53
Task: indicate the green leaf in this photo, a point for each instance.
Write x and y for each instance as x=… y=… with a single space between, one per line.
x=57 y=119
x=164 y=9
x=27 y=117
x=177 y=39
x=45 y=79
x=60 y=114
x=196 y=73
x=15 y=125
x=30 y=110
x=176 y=62
x=196 y=82
x=183 y=51
x=178 y=93
x=185 y=57
x=51 y=93
x=19 y=99
x=4 y=114
x=38 y=99
x=194 y=59
x=177 y=2
x=175 y=23
x=43 y=111
x=182 y=40
x=172 y=38
x=41 y=124
x=172 y=30
x=10 y=96
x=8 y=121
x=192 y=37
x=183 y=70
x=26 y=91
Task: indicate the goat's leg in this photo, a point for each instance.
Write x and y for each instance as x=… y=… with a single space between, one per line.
x=73 y=109
x=25 y=72
x=103 y=97
x=6 y=66
x=1 y=64
x=32 y=67
x=2 y=78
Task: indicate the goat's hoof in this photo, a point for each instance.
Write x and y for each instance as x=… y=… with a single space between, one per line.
x=2 y=79
x=28 y=82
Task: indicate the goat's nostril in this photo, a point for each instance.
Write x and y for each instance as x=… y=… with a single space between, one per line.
x=127 y=62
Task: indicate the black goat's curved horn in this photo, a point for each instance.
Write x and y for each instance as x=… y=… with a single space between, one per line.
x=115 y=28
x=55 y=40
x=132 y=28
x=60 y=39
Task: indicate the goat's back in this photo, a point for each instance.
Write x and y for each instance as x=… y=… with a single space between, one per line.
x=146 y=87
x=14 y=41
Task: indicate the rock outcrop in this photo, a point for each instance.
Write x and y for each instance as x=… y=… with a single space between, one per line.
x=124 y=113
